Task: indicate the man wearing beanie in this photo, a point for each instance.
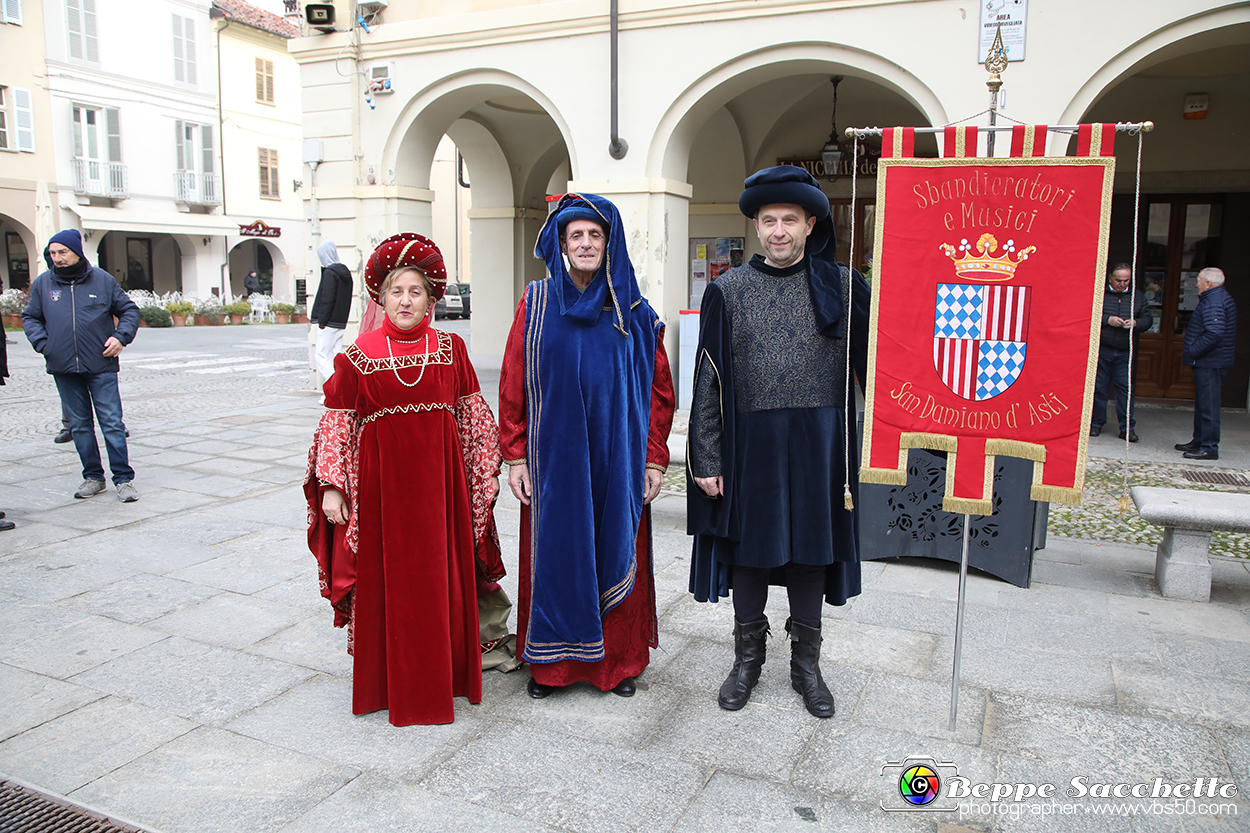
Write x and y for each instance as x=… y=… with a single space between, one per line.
x=772 y=443
x=70 y=320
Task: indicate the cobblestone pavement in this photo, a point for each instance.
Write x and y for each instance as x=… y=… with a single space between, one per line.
x=171 y=661
x=167 y=374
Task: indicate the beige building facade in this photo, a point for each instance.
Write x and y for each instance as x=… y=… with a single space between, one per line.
x=711 y=91
x=27 y=155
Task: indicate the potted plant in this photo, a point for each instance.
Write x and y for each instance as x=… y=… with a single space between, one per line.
x=300 y=315
x=208 y=312
x=12 y=302
x=155 y=317
x=179 y=310
x=237 y=310
x=282 y=313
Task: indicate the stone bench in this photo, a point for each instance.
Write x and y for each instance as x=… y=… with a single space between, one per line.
x=1188 y=517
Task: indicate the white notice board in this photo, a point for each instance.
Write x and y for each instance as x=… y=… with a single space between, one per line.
x=1012 y=16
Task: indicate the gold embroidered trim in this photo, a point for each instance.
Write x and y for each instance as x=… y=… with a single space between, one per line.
x=657 y=467
x=368 y=365
x=520 y=462
x=342 y=410
x=420 y=407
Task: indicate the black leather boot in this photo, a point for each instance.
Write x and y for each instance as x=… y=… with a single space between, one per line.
x=750 y=641
x=805 y=669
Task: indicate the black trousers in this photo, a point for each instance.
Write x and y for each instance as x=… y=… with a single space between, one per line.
x=805 y=585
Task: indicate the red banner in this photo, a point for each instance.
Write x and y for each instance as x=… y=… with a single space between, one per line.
x=985 y=319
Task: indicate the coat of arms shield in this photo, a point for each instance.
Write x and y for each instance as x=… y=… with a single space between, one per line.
x=980 y=337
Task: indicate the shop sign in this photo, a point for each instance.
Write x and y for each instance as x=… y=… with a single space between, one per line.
x=259 y=229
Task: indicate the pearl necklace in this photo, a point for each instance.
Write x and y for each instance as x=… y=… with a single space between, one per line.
x=424 y=363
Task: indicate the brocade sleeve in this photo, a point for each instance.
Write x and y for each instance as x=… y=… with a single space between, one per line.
x=479 y=442
x=705 y=421
x=334 y=461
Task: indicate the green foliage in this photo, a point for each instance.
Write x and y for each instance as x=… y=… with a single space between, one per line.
x=180 y=307
x=238 y=308
x=156 y=317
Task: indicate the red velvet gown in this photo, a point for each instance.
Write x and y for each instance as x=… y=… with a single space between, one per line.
x=630 y=629
x=415 y=463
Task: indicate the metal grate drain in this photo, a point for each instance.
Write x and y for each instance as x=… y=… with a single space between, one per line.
x=24 y=810
x=1216 y=478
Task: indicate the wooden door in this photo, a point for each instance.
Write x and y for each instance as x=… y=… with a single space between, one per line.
x=1179 y=237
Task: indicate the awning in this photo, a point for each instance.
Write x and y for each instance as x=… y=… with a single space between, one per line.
x=154 y=222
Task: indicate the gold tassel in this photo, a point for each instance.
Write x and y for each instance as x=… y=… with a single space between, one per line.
x=847 y=502
x=1123 y=505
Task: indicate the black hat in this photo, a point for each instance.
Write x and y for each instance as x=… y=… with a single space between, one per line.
x=783 y=184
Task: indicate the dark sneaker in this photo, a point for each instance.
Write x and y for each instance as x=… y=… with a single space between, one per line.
x=1132 y=437
x=1202 y=455
x=63 y=436
x=1095 y=431
x=89 y=488
x=127 y=493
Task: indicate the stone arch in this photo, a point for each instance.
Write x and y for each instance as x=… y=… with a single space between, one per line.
x=669 y=152
x=431 y=112
x=1144 y=51
x=34 y=251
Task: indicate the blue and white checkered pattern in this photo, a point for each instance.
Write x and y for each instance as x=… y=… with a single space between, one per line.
x=959 y=311
x=998 y=366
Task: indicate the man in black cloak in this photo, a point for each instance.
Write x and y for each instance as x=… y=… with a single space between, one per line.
x=772 y=455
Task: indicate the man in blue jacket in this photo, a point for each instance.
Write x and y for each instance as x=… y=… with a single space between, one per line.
x=1210 y=342
x=70 y=320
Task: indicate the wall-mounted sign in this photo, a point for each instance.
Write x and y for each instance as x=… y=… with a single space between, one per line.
x=1012 y=16
x=868 y=156
x=259 y=229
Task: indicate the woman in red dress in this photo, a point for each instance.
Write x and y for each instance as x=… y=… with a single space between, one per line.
x=402 y=477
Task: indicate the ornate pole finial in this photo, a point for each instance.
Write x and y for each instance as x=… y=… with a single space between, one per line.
x=996 y=61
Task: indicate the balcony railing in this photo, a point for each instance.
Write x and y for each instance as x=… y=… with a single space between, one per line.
x=94 y=178
x=196 y=188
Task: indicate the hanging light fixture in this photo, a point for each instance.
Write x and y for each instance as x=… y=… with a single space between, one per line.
x=831 y=153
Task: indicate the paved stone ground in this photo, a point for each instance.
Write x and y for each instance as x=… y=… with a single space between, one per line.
x=171 y=661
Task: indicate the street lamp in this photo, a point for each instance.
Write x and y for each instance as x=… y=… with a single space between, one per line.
x=831 y=153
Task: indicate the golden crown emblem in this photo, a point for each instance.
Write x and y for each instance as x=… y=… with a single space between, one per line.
x=985 y=266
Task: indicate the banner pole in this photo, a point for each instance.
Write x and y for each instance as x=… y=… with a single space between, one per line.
x=959 y=621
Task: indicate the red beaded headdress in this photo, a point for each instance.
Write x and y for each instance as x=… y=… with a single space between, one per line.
x=407 y=249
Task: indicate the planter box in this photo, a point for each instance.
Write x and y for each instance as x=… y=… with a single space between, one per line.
x=12 y=320
x=179 y=320
x=207 y=320
x=300 y=319
x=282 y=318
x=236 y=319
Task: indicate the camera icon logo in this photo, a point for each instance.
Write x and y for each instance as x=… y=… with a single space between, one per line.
x=917 y=784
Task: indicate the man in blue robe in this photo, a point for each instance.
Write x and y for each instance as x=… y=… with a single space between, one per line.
x=585 y=407
x=772 y=455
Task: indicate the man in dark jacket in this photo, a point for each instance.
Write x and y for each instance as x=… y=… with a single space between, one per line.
x=69 y=320
x=251 y=284
x=1210 y=342
x=331 y=307
x=1124 y=311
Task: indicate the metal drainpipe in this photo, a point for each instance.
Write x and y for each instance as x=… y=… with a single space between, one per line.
x=221 y=119
x=618 y=147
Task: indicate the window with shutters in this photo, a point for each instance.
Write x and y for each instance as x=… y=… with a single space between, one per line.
x=184 y=50
x=268 y=158
x=81 y=29
x=264 y=81
x=17 y=120
x=195 y=153
x=11 y=12
x=98 y=151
